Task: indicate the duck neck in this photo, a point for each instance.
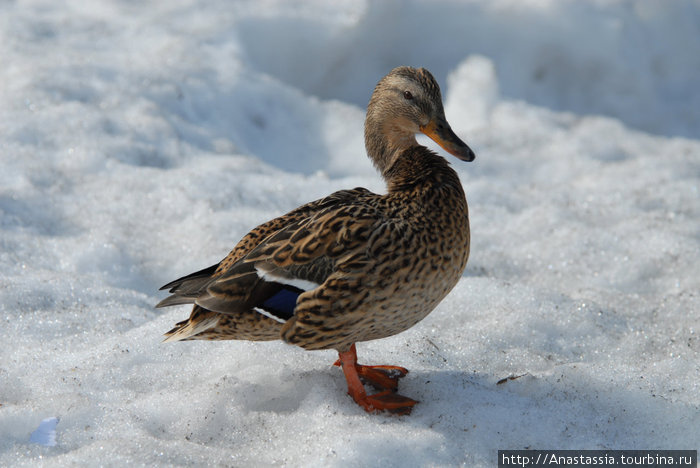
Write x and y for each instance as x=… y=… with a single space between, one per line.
x=385 y=143
x=418 y=167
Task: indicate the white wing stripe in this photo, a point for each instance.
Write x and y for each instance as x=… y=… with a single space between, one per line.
x=268 y=314
x=304 y=285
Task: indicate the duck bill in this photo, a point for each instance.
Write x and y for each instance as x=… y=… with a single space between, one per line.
x=440 y=132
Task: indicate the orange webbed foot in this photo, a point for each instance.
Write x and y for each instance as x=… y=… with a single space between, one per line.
x=380 y=377
x=385 y=378
x=386 y=401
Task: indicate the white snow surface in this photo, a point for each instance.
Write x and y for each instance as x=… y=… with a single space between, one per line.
x=140 y=140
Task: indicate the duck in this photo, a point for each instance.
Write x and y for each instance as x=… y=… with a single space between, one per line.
x=354 y=266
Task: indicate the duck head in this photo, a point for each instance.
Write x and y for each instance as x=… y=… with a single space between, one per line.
x=405 y=102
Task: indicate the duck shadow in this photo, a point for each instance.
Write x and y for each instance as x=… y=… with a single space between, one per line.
x=473 y=415
x=466 y=416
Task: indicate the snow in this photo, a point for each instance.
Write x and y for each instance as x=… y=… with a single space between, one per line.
x=140 y=140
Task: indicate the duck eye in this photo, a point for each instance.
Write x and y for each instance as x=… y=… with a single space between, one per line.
x=407 y=95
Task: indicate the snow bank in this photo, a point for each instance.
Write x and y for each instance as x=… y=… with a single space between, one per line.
x=139 y=142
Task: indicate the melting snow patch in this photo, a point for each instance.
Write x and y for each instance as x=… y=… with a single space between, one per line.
x=45 y=434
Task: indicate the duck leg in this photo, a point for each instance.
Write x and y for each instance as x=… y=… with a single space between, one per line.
x=383 y=377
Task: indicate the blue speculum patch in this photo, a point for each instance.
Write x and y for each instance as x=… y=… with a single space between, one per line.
x=282 y=304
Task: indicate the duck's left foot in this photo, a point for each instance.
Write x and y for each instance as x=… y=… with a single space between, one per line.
x=380 y=377
x=385 y=401
x=385 y=378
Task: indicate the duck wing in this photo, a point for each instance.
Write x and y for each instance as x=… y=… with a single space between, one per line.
x=298 y=258
x=275 y=262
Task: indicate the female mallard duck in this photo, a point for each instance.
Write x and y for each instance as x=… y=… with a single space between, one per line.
x=354 y=266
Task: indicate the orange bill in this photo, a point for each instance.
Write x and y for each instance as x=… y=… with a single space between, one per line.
x=440 y=132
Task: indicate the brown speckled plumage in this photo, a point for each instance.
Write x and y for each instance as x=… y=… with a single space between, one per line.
x=364 y=266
